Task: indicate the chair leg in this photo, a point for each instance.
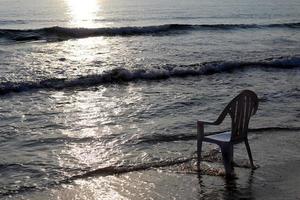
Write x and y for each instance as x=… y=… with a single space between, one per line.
x=231 y=158
x=227 y=154
x=249 y=154
x=200 y=135
x=199 y=149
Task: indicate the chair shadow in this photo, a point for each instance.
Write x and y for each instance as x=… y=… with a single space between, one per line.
x=233 y=188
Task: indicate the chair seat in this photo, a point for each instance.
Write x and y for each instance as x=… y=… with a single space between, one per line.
x=219 y=137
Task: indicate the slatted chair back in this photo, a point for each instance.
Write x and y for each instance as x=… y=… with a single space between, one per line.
x=240 y=109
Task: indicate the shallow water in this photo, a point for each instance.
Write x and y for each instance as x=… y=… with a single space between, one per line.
x=272 y=180
x=127 y=88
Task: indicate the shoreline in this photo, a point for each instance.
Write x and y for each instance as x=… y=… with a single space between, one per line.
x=277 y=178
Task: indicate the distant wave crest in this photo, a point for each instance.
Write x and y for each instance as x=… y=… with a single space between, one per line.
x=119 y=75
x=5 y=22
x=63 y=33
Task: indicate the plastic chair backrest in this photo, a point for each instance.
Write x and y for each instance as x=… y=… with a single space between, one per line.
x=240 y=109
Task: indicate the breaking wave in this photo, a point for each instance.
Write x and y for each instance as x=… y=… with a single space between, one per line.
x=121 y=169
x=104 y=171
x=63 y=33
x=120 y=75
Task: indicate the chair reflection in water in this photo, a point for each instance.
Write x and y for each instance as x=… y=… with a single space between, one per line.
x=240 y=109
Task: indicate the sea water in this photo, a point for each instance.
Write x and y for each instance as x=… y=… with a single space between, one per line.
x=94 y=84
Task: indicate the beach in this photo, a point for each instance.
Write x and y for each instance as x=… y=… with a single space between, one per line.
x=276 y=178
x=100 y=99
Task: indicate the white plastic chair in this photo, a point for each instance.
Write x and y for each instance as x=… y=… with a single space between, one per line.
x=240 y=109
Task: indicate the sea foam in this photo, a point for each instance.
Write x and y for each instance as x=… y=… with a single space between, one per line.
x=119 y=74
x=57 y=33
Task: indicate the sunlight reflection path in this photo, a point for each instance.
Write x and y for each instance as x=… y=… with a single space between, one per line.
x=83 y=13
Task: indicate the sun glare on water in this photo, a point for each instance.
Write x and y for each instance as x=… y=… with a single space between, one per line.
x=83 y=12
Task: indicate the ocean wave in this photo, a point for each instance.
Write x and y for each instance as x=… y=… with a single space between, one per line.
x=63 y=33
x=119 y=169
x=86 y=173
x=5 y=22
x=186 y=165
x=121 y=75
x=55 y=140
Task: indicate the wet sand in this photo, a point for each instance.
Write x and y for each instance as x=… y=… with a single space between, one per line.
x=278 y=177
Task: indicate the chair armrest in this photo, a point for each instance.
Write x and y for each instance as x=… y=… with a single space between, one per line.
x=218 y=121
x=208 y=123
x=200 y=128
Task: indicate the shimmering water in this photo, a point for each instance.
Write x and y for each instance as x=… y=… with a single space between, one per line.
x=97 y=84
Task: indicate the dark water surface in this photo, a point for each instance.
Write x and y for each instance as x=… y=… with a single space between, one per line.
x=115 y=86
